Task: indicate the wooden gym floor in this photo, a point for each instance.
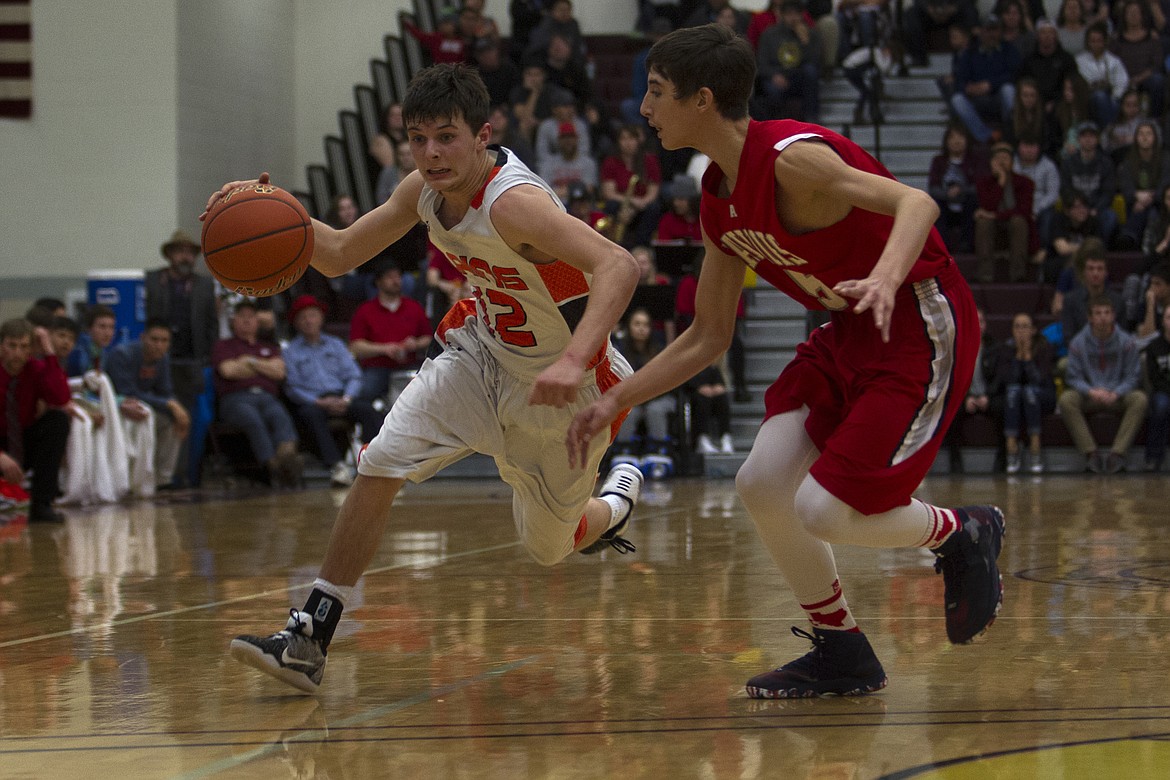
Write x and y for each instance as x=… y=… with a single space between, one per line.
x=460 y=658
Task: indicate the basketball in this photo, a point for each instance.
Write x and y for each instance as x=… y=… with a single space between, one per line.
x=257 y=240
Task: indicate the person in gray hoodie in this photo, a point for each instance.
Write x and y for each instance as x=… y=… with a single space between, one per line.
x=1103 y=373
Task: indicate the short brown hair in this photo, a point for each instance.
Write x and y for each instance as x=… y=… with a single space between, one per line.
x=711 y=56
x=15 y=329
x=447 y=91
x=97 y=312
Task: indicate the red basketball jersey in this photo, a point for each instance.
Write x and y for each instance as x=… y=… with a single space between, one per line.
x=804 y=266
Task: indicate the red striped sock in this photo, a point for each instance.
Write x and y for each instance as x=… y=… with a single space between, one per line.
x=831 y=613
x=943 y=523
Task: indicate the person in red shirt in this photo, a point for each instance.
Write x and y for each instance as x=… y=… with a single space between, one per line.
x=29 y=442
x=681 y=222
x=856 y=419
x=388 y=333
x=630 y=183
x=445 y=44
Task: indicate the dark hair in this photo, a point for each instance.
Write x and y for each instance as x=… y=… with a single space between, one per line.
x=66 y=323
x=711 y=56
x=1096 y=27
x=1100 y=300
x=52 y=304
x=1161 y=270
x=96 y=312
x=447 y=91
x=15 y=329
x=39 y=316
x=156 y=322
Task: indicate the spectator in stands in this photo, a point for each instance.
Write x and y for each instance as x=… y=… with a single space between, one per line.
x=525 y=15
x=388 y=333
x=1070 y=26
x=1158 y=375
x=1004 y=212
x=566 y=71
x=324 y=382
x=1049 y=64
x=1155 y=300
x=865 y=69
x=29 y=442
x=858 y=21
x=531 y=99
x=711 y=412
x=653 y=453
x=982 y=398
x=788 y=65
x=583 y=205
x=1073 y=228
x=1156 y=243
x=1104 y=73
x=505 y=134
x=1028 y=115
x=564 y=110
x=140 y=372
x=708 y=12
x=1023 y=372
x=569 y=164
x=958 y=41
x=248 y=373
x=1139 y=47
x=1045 y=178
x=445 y=44
x=484 y=26
x=1017 y=27
x=1096 y=11
x=951 y=182
x=631 y=182
x=94 y=344
x=187 y=301
x=500 y=75
x=1144 y=172
x=1070 y=112
x=1103 y=373
x=559 y=21
x=394 y=161
x=681 y=220
x=1093 y=274
x=985 y=81
x=684 y=315
x=631 y=107
x=926 y=16
x=1117 y=137
x=1090 y=172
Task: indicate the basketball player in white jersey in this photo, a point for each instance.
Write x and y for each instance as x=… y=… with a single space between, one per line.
x=520 y=358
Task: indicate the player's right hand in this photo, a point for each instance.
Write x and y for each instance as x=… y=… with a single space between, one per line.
x=589 y=422
x=225 y=189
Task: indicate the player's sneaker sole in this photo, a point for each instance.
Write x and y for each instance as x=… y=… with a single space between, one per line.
x=247 y=653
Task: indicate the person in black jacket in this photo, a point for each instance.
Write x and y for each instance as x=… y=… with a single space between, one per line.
x=1023 y=374
x=1158 y=374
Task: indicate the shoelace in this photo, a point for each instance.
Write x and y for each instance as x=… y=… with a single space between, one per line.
x=621 y=544
x=817 y=655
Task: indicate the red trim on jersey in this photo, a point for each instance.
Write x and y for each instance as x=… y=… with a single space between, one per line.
x=606 y=381
x=455 y=318
x=477 y=201
x=563 y=280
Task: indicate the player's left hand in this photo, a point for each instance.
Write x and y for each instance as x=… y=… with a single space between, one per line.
x=872 y=293
x=557 y=385
x=588 y=423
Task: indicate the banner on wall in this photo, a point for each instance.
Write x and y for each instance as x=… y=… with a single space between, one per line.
x=15 y=59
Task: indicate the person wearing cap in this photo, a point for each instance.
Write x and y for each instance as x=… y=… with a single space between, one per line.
x=569 y=164
x=681 y=221
x=1090 y=172
x=186 y=301
x=1004 y=211
x=563 y=108
x=1104 y=73
x=323 y=382
x=985 y=81
x=248 y=373
x=1049 y=63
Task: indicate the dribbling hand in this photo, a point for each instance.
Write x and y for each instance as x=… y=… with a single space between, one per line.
x=590 y=421
x=225 y=189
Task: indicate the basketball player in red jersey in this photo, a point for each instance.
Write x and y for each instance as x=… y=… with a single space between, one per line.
x=855 y=420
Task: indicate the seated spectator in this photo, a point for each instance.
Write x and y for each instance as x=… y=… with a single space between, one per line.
x=94 y=344
x=708 y=12
x=388 y=333
x=681 y=221
x=1138 y=46
x=1017 y=27
x=506 y=134
x=958 y=41
x=684 y=313
x=1155 y=300
x=1045 y=178
x=500 y=75
x=395 y=162
x=248 y=373
x=1104 y=73
x=583 y=205
x=445 y=44
x=1103 y=373
x=1073 y=230
x=1005 y=211
x=1029 y=119
x=951 y=182
x=1091 y=173
x=1048 y=65
x=1023 y=373
x=1143 y=173
x=1069 y=114
x=525 y=16
x=1092 y=272
x=985 y=82
x=569 y=165
x=711 y=412
x=654 y=453
x=1117 y=138
x=925 y=16
x=29 y=442
x=1158 y=376
x=982 y=397
x=566 y=71
x=531 y=100
x=485 y=26
x=563 y=111
x=630 y=185
x=650 y=276
x=788 y=65
x=558 y=21
x=324 y=381
x=1156 y=242
x=141 y=374
x=1070 y=26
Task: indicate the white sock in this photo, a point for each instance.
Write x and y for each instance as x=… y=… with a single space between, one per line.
x=342 y=593
x=619 y=509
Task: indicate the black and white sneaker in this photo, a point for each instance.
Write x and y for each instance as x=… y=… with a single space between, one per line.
x=291 y=655
x=624 y=481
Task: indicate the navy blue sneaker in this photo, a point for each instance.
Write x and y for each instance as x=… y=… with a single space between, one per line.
x=841 y=663
x=974 y=587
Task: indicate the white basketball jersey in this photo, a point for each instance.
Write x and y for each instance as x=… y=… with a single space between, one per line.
x=529 y=310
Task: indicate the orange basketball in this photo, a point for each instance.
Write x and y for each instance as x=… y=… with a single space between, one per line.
x=257 y=240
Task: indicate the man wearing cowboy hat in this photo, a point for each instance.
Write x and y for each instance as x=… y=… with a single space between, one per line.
x=186 y=301
x=323 y=381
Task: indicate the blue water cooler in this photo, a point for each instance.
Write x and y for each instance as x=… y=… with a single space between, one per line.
x=124 y=291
